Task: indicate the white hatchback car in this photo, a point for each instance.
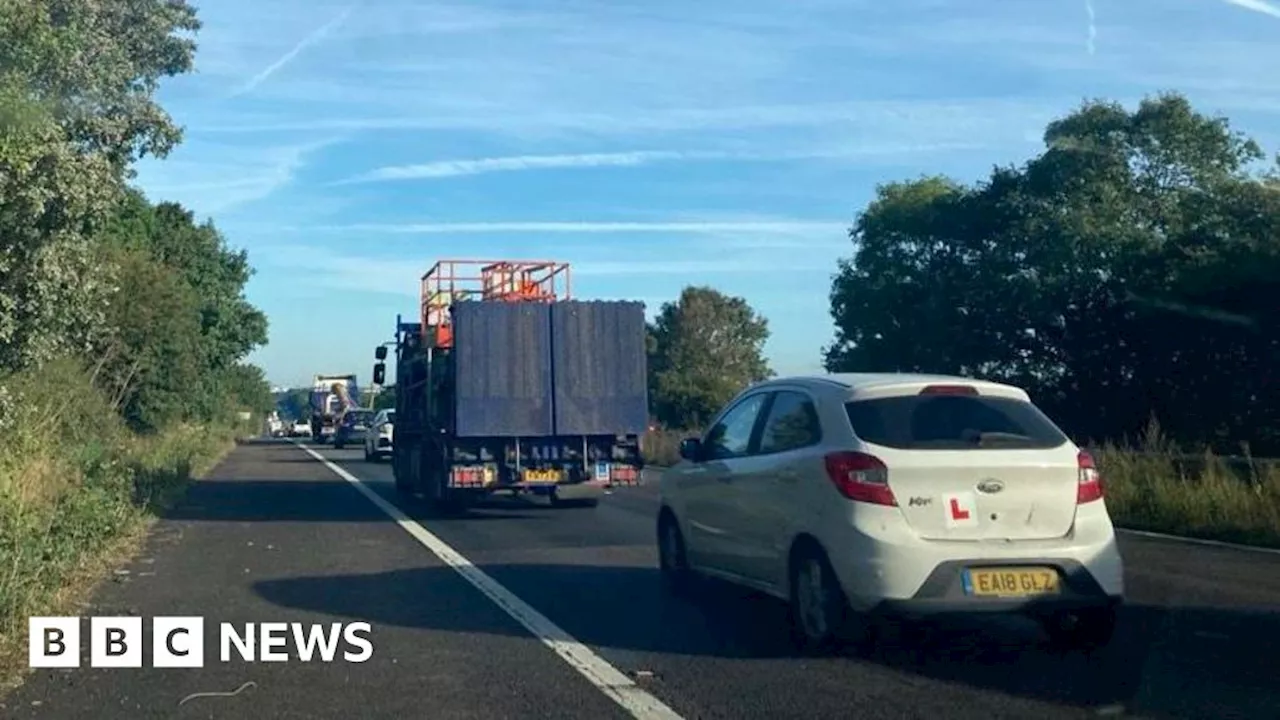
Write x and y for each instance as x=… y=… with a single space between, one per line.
x=379 y=440
x=856 y=496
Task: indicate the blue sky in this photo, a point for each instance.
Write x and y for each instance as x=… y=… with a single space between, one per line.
x=652 y=144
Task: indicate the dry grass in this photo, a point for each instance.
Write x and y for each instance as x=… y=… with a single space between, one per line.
x=76 y=492
x=1152 y=486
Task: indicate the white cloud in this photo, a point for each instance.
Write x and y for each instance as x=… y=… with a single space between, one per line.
x=215 y=178
x=401 y=276
x=694 y=227
x=455 y=168
x=636 y=158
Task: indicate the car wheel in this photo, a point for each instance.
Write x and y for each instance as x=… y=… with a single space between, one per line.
x=820 y=613
x=673 y=560
x=1083 y=630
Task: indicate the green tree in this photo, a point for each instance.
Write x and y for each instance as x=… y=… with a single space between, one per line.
x=386 y=398
x=1119 y=275
x=704 y=349
x=178 y=323
x=295 y=403
x=246 y=388
x=77 y=81
x=151 y=354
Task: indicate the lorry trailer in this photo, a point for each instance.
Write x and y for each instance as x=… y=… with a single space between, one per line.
x=331 y=395
x=506 y=385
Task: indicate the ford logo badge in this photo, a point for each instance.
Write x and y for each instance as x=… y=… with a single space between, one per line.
x=990 y=487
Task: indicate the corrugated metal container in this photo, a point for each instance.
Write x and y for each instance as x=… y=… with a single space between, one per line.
x=598 y=351
x=502 y=369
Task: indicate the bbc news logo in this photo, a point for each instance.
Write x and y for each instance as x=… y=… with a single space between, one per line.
x=178 y=642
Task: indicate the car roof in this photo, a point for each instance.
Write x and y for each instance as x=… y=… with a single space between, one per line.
x=865 y=386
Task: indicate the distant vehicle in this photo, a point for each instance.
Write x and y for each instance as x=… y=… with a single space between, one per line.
x=331 y=395
x=378 y=442
x=507 y=386
x=300 y=428
x=857 y=495
x=351 y=427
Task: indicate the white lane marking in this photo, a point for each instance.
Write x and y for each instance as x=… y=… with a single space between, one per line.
x=605 y=677
x=1199 y=541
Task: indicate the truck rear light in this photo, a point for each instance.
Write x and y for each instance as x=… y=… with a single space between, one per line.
x=949 y=390
x=1089 y=488
x=861 y=477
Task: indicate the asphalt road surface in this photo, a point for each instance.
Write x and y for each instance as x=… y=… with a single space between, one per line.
x=520 y=611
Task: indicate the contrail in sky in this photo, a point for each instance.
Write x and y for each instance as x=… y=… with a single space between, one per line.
x=1093 y=26
x=305 y=43
x=1260 y=6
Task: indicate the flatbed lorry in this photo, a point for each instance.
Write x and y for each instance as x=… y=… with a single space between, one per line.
x=508 y=386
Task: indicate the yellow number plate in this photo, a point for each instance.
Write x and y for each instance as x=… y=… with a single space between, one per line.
x=1013 y=582
x=542 y=476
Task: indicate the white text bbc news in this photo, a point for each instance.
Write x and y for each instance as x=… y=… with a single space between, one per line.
x=178 y=642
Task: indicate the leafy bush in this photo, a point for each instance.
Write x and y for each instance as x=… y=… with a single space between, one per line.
x=73 y=479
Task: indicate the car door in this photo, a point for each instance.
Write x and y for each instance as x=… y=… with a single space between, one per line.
x=765 y=486
x=706 y=485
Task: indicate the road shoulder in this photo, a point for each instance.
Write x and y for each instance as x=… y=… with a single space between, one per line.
x=265 y=529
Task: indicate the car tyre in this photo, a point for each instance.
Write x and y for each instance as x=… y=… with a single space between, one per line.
x=673 y=559
x=1083 y=630
x=820 y=615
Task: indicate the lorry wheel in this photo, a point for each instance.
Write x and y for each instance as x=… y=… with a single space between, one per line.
x=403 y=488
x=401 y=474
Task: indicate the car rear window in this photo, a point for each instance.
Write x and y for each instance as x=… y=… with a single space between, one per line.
x=953 y=422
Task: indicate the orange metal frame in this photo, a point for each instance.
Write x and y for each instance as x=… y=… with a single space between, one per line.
x=450 y=281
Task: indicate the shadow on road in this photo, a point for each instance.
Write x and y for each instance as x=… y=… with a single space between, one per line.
x=622 y=607
x=331 y=501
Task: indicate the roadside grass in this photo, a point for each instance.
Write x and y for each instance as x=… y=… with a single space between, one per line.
x=77 y=491
x=1151 y=485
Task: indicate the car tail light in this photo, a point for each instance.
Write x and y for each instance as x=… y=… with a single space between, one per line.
x=949 y=390
x=859 y=476
x=1089 y=487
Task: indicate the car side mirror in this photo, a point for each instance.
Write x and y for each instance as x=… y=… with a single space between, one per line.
x=380 y=352
x=379 y=373
x=691 y=449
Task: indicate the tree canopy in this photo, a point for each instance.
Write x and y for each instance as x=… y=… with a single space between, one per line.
x=1128 y=272
x=150 y=297
x=704 y=348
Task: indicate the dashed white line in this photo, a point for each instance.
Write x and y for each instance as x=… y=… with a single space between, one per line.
x=605 y=677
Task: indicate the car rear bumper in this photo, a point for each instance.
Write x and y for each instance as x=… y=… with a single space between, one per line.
x=943 y=593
